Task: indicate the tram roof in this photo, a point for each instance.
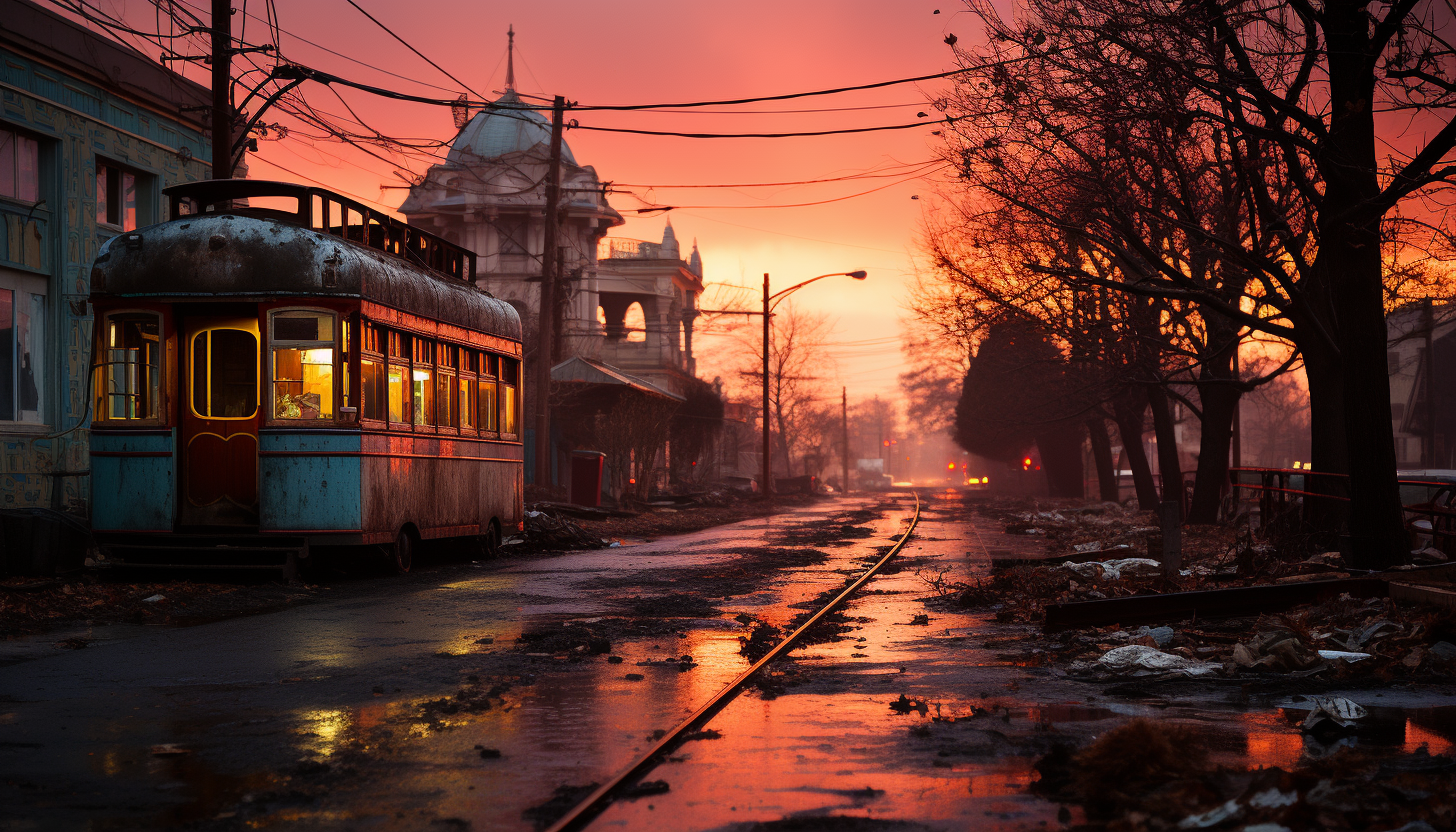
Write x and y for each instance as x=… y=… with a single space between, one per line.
x=266 y=252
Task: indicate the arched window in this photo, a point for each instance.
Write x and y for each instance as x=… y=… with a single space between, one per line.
x=636 y=323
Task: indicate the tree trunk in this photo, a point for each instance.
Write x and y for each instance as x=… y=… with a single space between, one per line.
x=1127 y=411
x=1060 y=449
x=1102 y=457
x=1220 y=399
x=1170 y=468
x=1349 y=264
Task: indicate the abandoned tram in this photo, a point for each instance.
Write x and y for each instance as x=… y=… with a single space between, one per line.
x=279 y=370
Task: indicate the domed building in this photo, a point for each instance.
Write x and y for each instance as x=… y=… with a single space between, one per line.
x=627 y=317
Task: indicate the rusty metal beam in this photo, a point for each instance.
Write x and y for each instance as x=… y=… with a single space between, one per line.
x=1209 y=603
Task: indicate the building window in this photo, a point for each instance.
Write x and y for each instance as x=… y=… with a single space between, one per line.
x=22 y=347
x=129 y=371
x=19 y=167
x=117 y=197
x=303 y=365
x=512 y=231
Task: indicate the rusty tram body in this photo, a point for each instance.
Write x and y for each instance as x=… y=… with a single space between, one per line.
x=299 y=373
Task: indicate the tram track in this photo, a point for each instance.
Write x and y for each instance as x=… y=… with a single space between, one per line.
x=582 y=814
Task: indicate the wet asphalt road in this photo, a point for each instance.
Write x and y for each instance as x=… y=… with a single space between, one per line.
x=410 y=704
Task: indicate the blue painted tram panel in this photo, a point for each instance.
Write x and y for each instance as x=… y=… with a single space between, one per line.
x=278 y=367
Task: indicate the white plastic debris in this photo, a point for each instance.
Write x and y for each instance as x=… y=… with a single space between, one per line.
x=1332 y=712
x=1141 y=660
x=1273 y=799
x=1213 y=817
x=1342 y=655
x=1112 y=570
x=1087 y=547
x=154 y=599
x=533 y=514
x=1161 y=635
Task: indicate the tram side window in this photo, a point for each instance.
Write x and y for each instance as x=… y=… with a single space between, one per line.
x=510 y=377
x=303 y=365
x=128 y=380
x=224 y=366
x=489 y=407
x=372 y=368
x=398 y=369
x=447 y=394
x=465 y=385
x=422 y=387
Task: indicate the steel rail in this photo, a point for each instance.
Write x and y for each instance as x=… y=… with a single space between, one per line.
x=584 y=812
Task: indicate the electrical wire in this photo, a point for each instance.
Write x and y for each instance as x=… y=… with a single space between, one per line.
x=847 y=178
x=788 y=205
x=407 y=45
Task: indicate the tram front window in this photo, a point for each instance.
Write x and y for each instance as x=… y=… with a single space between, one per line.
x=303 y=365
x=128 y=382
x=224 y=374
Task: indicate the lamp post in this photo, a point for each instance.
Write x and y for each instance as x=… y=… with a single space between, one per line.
x=770 y=302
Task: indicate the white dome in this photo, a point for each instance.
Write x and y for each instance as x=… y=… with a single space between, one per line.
x=507 y=126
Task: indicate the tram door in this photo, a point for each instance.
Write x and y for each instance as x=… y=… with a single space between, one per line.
x=220 y=418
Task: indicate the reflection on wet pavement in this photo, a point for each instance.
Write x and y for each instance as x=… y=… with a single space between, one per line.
x=414 y=703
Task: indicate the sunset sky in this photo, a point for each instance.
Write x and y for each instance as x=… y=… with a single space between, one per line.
x=647 y=51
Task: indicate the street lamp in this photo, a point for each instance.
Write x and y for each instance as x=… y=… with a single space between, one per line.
x=771 y=302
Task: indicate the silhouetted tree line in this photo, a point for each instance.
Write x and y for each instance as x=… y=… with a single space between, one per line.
x=1142 y=184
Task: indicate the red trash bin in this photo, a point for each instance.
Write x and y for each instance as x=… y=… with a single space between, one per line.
x=586 y=477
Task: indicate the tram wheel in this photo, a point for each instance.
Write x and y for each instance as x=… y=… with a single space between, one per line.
x=493 y=539
x=402 y=554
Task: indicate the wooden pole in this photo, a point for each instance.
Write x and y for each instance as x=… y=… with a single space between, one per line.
x=844 y=432
x=766 y=487
x=222 y=110
x=545 y=338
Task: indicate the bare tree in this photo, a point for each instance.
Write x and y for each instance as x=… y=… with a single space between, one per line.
x=1279 y=99
x=797 y=377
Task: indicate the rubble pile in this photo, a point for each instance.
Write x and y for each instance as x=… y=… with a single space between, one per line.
x=1155 y=776
x=549 y=529
x=1348 y=639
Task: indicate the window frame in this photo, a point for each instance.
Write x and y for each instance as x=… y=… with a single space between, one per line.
x=143 y=183
x=515 y=387
x=335 y=382
x=162 y=372
x=19 y=136
x=258 y=376
x=21 y=285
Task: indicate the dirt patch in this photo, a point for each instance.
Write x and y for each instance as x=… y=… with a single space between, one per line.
x=29 y=606
x=655 y=523
x=560 y=803
x=831 y=823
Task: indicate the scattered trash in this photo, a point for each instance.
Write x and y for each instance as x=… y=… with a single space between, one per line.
x=1332 y=713
x=1342 y=655
x=920 y=620
x=169 y=749
x=1113 y=570
x=154 y=599
x=488 y=753
x=705 y=734
x=1141 y=660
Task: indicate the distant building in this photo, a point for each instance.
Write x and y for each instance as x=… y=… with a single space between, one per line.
x=490 y=196
x=1421 y=358
x=90 y=133
x=665 y=287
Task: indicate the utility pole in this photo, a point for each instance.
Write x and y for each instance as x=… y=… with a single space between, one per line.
x=545 y=338
x=222 y=81
x=844 y=432
x=766 y=485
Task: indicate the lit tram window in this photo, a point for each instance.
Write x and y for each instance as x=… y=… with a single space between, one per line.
x=303 y=365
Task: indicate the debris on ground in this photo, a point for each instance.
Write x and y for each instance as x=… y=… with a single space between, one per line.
x=560 y=802
x=1146 y=775
x=30 y=606
x=1140 y=660
x=548 y=528
x=1332 y=713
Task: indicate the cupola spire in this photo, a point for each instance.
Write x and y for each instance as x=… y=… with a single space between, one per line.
x=511 y=58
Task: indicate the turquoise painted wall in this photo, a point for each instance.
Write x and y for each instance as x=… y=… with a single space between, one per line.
x=76 y=122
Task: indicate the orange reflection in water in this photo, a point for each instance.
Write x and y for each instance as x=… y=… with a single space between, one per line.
x=1270 y=740
x=1416 y=736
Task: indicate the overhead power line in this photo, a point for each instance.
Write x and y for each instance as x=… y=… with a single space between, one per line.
x=407 y=45
x=789 y=135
